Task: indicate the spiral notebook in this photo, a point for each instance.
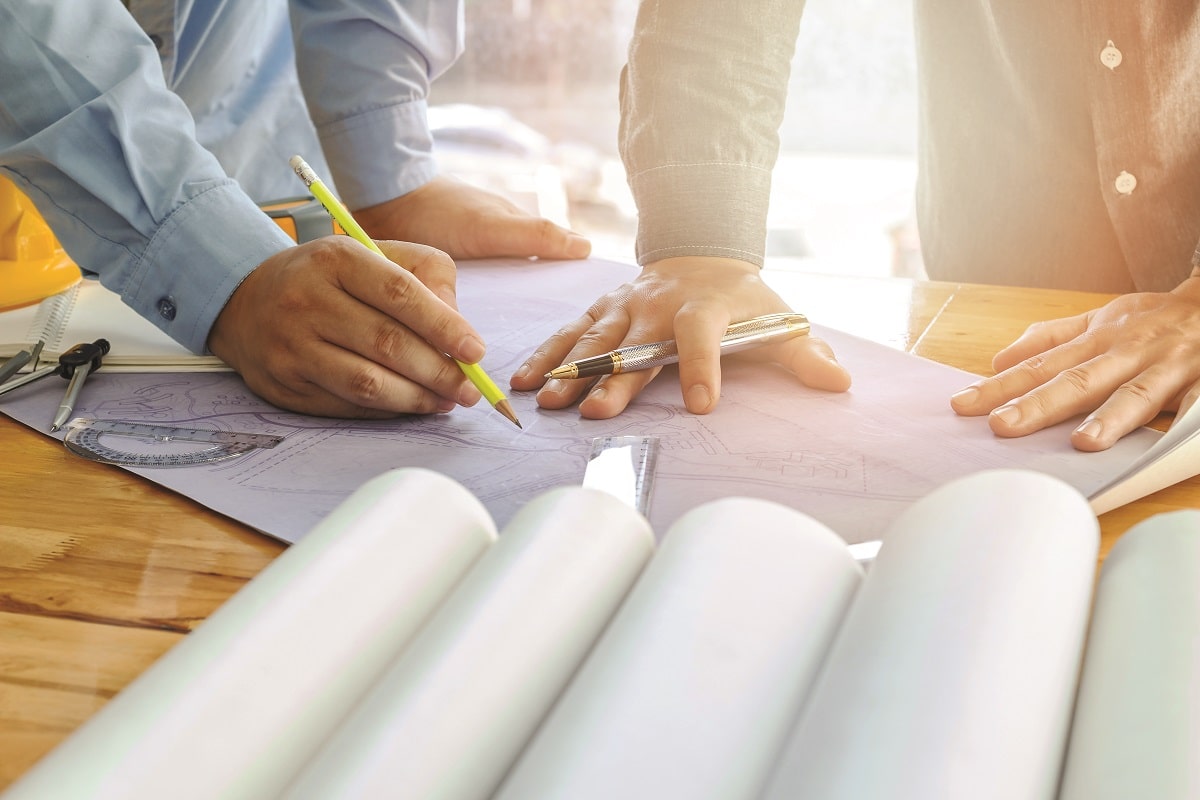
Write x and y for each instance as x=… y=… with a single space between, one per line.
x=89 y=311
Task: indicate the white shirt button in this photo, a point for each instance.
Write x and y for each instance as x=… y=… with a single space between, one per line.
x=1110 y=56
x=1125 y=183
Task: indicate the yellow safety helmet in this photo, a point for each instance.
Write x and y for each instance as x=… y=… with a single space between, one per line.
x=33 y=264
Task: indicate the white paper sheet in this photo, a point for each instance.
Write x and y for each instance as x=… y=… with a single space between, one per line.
x=1136 y=731
x=1173 y=458
x=693 y=688
x=953 y=674
x=449 y=717
x=852 y=461
x=237 y=707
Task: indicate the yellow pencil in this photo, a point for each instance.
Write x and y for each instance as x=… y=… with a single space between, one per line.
x=486 y=386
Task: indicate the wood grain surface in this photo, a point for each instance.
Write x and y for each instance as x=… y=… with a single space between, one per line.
x=102 y=571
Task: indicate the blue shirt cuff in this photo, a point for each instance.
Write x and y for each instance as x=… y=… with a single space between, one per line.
x=381 y=154
x=197 y=258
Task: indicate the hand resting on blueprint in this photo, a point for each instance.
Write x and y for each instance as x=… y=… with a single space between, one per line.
x=692 y=300
x=483 y=224
x=1121 y=364
x=332 y=329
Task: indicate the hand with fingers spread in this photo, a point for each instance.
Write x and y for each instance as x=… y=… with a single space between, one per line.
x=468 y=222
x=1120 y=364
x=692 y=300
x=331 y=328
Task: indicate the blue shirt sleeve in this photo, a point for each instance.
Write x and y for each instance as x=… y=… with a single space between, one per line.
x=147 y=143
x=365 y=67
x=109 y=156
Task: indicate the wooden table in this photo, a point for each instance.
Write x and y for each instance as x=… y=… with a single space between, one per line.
x=102 y=571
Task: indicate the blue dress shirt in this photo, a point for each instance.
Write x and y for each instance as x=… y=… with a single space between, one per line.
x=146 y=135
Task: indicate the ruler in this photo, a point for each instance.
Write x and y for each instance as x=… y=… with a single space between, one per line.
x=142 y=444
x=623 y=466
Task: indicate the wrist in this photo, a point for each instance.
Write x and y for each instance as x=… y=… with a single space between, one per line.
x=679 y=264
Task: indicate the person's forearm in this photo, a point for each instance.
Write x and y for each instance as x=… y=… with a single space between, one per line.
x=108 y=155
x=702 y=98
x=365 y=67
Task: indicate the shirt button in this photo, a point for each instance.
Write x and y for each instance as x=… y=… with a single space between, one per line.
x=166 y=307
x=157 y=41
x=1110 y=56
x=1125 y=183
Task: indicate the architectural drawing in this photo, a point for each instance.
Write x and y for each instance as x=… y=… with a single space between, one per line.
x=852 y=461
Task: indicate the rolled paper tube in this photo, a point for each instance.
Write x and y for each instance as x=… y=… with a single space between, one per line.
x=243 y=701
x=451 y=715
x=955 y=670
x=694 y=686
x=1136 y=731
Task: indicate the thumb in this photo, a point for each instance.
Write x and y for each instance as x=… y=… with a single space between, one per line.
x=531 y=236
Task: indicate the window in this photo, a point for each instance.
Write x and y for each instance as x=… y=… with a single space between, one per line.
x=531 y=111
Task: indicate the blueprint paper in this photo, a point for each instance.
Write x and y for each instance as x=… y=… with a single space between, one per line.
x=853 y=461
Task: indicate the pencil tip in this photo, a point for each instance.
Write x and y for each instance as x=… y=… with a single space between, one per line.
x=505 y=408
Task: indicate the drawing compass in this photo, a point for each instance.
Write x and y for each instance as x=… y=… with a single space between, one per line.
x=74 y=365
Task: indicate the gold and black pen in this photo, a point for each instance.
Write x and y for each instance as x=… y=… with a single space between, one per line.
x=738 y=336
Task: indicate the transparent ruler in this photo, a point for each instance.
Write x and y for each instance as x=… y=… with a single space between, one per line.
x=623 y=466
x=142 y=444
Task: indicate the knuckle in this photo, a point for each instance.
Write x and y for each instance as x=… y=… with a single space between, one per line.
x=444 y=327
x=591 y=338
x=366 y=385
x=1180 y=351
x=696 y=314
x=427 y=258
x=1077 y=378
x=559 y=341
x=448 y=379
x=391 y=341
x=398 y=289
x=546 y=232
x=1037 y=405
x=329 y=251
x=1137 y=391
x=1037 y=366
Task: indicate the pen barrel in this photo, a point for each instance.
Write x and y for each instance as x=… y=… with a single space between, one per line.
x=628 y=359
x=738 y=336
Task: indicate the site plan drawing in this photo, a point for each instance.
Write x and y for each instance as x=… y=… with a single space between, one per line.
x=852 y=460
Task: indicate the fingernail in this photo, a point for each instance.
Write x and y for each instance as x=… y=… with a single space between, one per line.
x=1009 y=415
x=522 y=372
x=967 y=396
x=698 y=398
x=1090 y=428
x=471 y=350
x=599 y=393
x=554 y=385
